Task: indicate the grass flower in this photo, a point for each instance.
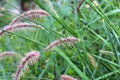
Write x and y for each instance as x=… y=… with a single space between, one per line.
x=66 y=77
x=29 y=14
x=58 y=42
x=19 y=26
x=6 y=54
x=30 y=59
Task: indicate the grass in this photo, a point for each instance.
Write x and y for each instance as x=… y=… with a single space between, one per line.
x=95 y=24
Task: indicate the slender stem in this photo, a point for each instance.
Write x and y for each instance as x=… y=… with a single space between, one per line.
x=26 y=38
x=46 y=67
x=80 y=4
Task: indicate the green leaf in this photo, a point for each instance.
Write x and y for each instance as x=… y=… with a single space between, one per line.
x=78 y=71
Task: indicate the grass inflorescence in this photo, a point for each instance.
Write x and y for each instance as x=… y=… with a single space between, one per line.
x=71 y=39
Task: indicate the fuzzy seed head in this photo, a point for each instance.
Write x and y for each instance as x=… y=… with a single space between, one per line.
x=6 y=54
x=70 y=39
x=20 y=26
x=30 y=14
x=31 y=58
x=59 y=42
x=66 y=77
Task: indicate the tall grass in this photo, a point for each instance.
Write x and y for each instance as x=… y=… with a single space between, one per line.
x=96 y=25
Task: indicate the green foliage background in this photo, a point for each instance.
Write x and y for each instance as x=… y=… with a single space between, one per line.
x=97 y=27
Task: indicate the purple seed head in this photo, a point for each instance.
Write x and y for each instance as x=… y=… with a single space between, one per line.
x=30 y=59
x=30 y=14
x=60 y=41
x=6 y=54
x=19 y=26
x=66 y=77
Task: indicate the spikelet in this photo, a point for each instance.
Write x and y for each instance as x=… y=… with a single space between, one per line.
x=92 y=60
x=66 y=77
x=30 y=14
x=19 y=26
x=106 y=52
x=30 y=59
x=58 y=42
x=6 y=54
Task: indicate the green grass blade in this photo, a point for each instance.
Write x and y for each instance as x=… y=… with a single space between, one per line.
x=107 y=61
x=58 y=19
x=46 y=67
x=107 y=75
x=78 y=71
x=107 y=14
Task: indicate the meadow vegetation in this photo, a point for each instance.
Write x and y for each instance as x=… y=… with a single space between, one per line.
x=60 y=40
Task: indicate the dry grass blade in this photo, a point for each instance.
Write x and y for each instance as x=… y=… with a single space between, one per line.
x=92 y=60
x=106 y=52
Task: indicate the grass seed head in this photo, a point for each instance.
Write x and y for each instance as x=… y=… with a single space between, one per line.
x=19 y=26
x=6 y=54
x=60 y=41
x=30 y=14
x=66 y=77
x=31 y=58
